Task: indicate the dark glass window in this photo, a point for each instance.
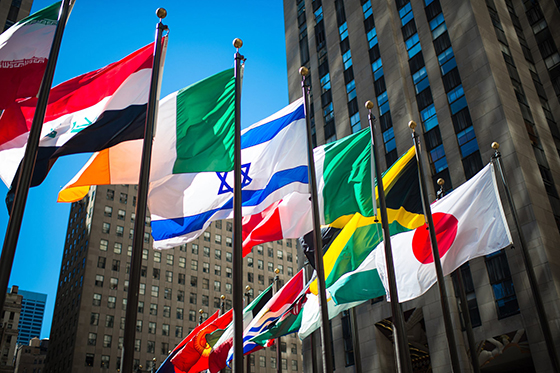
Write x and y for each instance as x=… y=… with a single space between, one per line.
x=502 y=284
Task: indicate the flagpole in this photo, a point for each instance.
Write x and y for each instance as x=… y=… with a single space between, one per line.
x=453 y=352
x=30 y=155
x=326 y=337
x=141 y=203
x=278 y=352
x=247 y=302
x=463 y=300
x=237 y=364
x=528 y=262
x=401 y=340
x=355 y=340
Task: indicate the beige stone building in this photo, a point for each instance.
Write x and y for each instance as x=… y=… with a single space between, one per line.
x=9 y=319
x=31 y=358
x=12 y=11
x=469 y=72
x=88 y=321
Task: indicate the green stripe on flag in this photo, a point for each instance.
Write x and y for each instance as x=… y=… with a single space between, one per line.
x=347 y=177
x=48 y=15
x=288 y=325
x=357 y=286
x=205 y=125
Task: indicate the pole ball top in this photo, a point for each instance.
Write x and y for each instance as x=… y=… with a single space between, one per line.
x=495 y=145
x=276 y=270
x=161 y=13
x=200 y=311
x=304 y=71
x=412 y=125
x=440 y=181
x=237 y=43
x=154 y=359
x=247 y=288
x=369 y=105
x=222 y=297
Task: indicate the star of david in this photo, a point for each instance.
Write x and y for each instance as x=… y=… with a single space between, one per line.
x=245 y=179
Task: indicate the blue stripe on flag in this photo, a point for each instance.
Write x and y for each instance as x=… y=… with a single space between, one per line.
x=267 y=131
x=169 y=228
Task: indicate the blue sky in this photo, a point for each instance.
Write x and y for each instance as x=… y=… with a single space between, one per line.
x=200 y=44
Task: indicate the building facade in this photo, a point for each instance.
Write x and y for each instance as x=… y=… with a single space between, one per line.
x=30 y=358
x=13 y=11
x=31 y=318
x=88 y=321
x=9 y=330
x=469 y=72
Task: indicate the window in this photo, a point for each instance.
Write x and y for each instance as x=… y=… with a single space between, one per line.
x=101 y=262
x=155 y=273
x=140 y=307
x=170 y=259
x=260 y=264
x=151 y=348
x=218 y=254
x=280 y=254
x=270 y=267
x=130 y=234
x=89 y=360
x=155 y=291
x=152 y=327
x=270 y=252
x=218 y=224
x=192 y=315
x=145 y=255
x=92 y=339
x=262 y=361
x=260 y=249
x=228 y=242
x=124 y=301
x=290 y=271
x=179 y=314
x=261 y=279
x=250 y=262
x=181 y=279
x=194 y=249
x=137 y=345
x=273 y=362
x=169 y=276
x=153 y=309
x=206 y=267
x=157 y=256
x=106 y=228
x=194 y=281
x=103 y=245
x=228 y=272
x=113 y=283
x=182 y=262
x=284 y=364
x=192 y=298
x=229 y=257
x=167 y=294
x=229 y=226
x=502 y=284
x=180 y=296
x=143 y=271
x=249 y=276
x=218 y=239
x=217 y=270
x=166 y=311
x=146 y=237
x=107 y=340
x=294 y=365
x=228 y=288
x=179 y=332
x=108 y=211
x=99 y=280
x=120 y=231
x=121 y=214
x=142 y=289
x=206 y=236
x=110 y=194
x=116 y=265
x=205 y=300
x=165 y=348
x=294 y=348
x=165 y=329
x=347 y=338
x=94 y=319
x=124 y=198
x=194 y=265
x=104 y=361
x=217 y=286
x=205 y=283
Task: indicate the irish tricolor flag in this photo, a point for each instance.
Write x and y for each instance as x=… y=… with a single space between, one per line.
x=24 y=50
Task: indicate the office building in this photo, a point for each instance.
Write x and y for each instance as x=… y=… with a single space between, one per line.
x=469 y=73
x=88 y=321
x=13 y=11
x=31 y=318
x=9 y=330
x=30 y=358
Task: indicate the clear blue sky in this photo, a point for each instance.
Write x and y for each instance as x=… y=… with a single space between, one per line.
x=200 y=44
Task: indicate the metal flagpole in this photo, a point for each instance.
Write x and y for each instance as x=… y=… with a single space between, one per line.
x=142 y=198
x=278 y=352
x=247 y=302
x=237 y=239
x=30 y=155
x=463 y=300
x=435 y=253
x=355 y=341
x=528 y=262
x=326 y=337
x=200 y=319
x=401 y=340
x=222 y=304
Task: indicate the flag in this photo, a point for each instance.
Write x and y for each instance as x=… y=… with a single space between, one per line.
x=201 y=111
x=24 y=52
x=88 y=113
x=218 y=355
x=167 y=366
x=280 y=302
x=274 y=164
x=311 y=313
x=288 y=323
x=469 y=223
x=361 y=235
x=193 y=357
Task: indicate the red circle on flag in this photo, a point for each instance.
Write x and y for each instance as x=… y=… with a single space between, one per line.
x=446 y=231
